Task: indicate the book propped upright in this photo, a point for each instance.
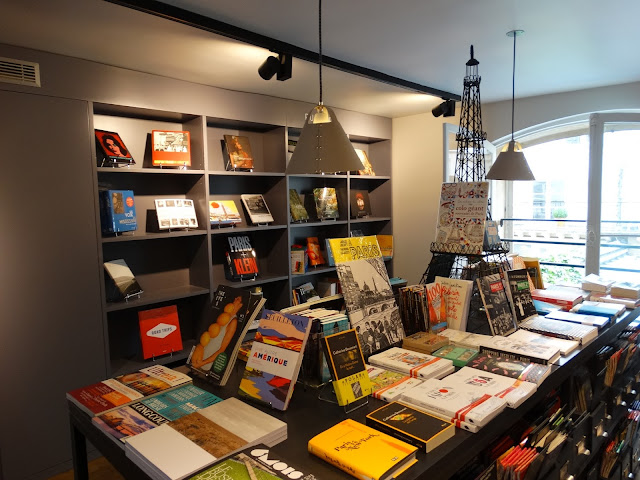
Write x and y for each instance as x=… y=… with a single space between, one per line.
x=519 y=295
x=257 y=208
x=117 y=211
x=111 y=150
x=326 y=203
x=457 y=298
x=120 y=283
x=496 y=304
x=296 y=207
x=241 y=258
x=159 y=331
x=237 y=152
x=437 y=307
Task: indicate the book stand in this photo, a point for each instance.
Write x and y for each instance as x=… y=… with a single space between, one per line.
x=328 y=219
x=244 y=278
x=266 y=224
x=153 y=355
x=329 y=395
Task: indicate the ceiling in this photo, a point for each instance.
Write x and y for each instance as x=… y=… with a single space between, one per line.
x=567 y=45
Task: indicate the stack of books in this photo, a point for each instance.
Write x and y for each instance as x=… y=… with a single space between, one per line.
x=557 y=328
x=414 y=364
x=388 y=385
x=424 y=342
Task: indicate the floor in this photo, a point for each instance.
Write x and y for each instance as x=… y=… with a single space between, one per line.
x=99 y=469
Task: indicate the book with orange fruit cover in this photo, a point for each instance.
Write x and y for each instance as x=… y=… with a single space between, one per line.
x=222 y=330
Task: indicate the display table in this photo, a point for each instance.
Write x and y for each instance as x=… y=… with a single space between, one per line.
x=308 y=416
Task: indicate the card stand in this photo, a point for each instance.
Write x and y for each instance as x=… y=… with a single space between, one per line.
x=328 y=394
x=328 y=219
x=220 y=226
x=135 y=296
x=153 y=355
x=263 y=224
x=299 y=221
x=247 y=278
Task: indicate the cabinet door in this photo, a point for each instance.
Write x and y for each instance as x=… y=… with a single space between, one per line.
x=50 y=296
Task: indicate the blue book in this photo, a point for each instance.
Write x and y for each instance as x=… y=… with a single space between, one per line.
x=609 y=310
x=117 y=211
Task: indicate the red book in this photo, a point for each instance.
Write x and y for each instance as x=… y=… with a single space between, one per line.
x=565 y=297
x=160 y=331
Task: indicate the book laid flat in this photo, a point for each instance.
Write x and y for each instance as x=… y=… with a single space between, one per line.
x=222 y=330
x=362 y=451
x=256 y=208
x=296 y=207
x=509 y=367
x=111 y=150
x=275 y=358
x=413 y=426
x=117 y=211
x=414 y=364
x=150 y=412
x=464 y=339
x=596 y=283
x=557 y=328
x=519 y=294
x=457 y=298
x=583 y=318
x=177 y=449
x=346 y=363
x=424 y=342
x=630 y=303
x=237 y=151
x=159 y=331
x=170 y=148
x=513 y=391
x=611 y=310
x=121 y=284
x=223 y=212
x=625 y=289
x=565 y=346
x=326 y=203
x=360 y=203
x=563 y=297
x=510 y=348
x=116 y=392
x=455 y=401
x=496 y=304
x=241 y=258
x=388 y=385
x=460 y=356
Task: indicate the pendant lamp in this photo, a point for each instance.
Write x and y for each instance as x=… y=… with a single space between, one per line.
x=323 y=147
x=511 y=164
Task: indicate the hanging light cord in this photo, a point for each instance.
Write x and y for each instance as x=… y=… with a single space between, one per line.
x=513 y=84
x=320 y=47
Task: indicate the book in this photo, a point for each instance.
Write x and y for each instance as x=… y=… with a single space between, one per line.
x=299 y=259
x=256 y=208
x=532 y=264
x=514 y=392
x=605 y=309
x=385 y=242
x=564 y=297
x=275 y=358
x=462 y=214
x=175 y=213
x=519 y=294
x=346 y=363
x=109 y=394
x=296 y=207
x=305 y=293
x=457 y=299
x=170 y=148
x=326 y=203
x=223 y=212
x=464 y=339
x=222 y=330
x=362 y=451
x=414 y=364
x=159 y=331
x=120 y=283
x=424 y=342
x=460 y=356
x=455 y=401
x=237 y=150
x=586 y=319
x=565 y=346
x=496 y=304
x=437 y=307
x=360 y=203
x=367 y=168
x=179 y=448
x=241 y=258
x=111 y=150
x=117 y=211
x=313 y=251
x=596 y=283
x=516 y=262
x=491 y=236
x=509 y=367
x=625 y=289
x=388 y=385
x=630 y=303
x=354 y=248
x=413 y=426
x=557 y=328
x=148 y=413
x=510 y=348
x=330 y=323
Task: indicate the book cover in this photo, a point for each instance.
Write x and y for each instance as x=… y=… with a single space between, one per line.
x=508 y=347
x=256 y=208
x=413 y=426
x=117 y=211
x=238 y=153
x=150 y=412
x=437 y=307
x=223 y=212
x=354 y=248
x=313 y=251
x=424 y=342
x=532 y=264
x=462 y=214
x=385 y=242
x=509 y=367
x=519 y=294
x=389 y=385
x=175 y=213
x=414 y=364
x=326 y=203
x=362 y=451
x=360 y=203
x=563 y=297
x=170 y=148
x=457 y=298
x=159 y=331
x=241 y=258
x=625 y=289
x=491 y=236
x=598 y=321
x=121 y=283
x=464 y=339
x=460 y=356
x=274 y=361
x=298 y=212
x=111 y=150
x=496 y=304
x=557 y=328
x=367 y=168
x=329 y=325
x=525 y=336
x=604 y=309
x=346 y=363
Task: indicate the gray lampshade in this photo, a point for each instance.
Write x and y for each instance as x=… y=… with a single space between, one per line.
x=510 y=165
x=323 y=147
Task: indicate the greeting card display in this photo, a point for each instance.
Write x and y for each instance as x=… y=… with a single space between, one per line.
x=111 y=151
x=170 y=148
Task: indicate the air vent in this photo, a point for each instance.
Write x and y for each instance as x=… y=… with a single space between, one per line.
x=19 y=72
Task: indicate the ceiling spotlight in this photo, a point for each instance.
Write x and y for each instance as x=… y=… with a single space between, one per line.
x=446 y=109
x=280 y=65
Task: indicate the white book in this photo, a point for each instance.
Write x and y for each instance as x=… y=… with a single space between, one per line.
x=464 y=339
x=455 y=401
x=557 y=328
x=630 y=303
x=625 y=289
x=457 y=297
x=257 y=208
x=414 y=364
x=526 y=352
x=565 y=346
x=389 y=385
x=596 y=283
x=593 y=320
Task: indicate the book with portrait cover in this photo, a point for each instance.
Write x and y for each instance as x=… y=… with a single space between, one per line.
x=519 y=294
x=298 y=212
x=241 y=258
x=159 y=331
x=111 y=150
x=346 y=363
x=275 y=358
x=223 y=212
x=360 y=203
x=117 y=211
x=496 y=304
x=170 y=148
x=237 y=150
x=326 y=202
x=120 y=283
x=256 y=208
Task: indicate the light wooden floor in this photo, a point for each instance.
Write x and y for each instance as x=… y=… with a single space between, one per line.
x=99 y=469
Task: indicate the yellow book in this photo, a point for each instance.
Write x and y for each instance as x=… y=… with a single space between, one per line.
x=386 y=245
x=354 y=248
x=362 y=451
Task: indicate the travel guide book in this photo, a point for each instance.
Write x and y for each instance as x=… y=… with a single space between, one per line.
x=389 y=385
x=159 y=331
x=275 y=358
x=170 y=148
x=414 y=364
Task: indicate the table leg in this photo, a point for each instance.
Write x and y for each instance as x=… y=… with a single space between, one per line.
x=79 y=452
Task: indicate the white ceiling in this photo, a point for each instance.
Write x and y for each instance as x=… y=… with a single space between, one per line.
x=567 y=45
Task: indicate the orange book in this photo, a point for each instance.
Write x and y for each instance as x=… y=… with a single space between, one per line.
x=160 y=331
x=314 y=253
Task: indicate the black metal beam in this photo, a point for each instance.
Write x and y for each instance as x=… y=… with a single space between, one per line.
x=212 y=25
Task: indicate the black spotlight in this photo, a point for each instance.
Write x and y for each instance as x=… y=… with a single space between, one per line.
x=446 y=109
x=282 y=66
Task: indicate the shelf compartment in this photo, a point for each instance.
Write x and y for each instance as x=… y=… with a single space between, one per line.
x=305 y=184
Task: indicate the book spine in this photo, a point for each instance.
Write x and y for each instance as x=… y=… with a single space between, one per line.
x=513 y=356
x=384 y=428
